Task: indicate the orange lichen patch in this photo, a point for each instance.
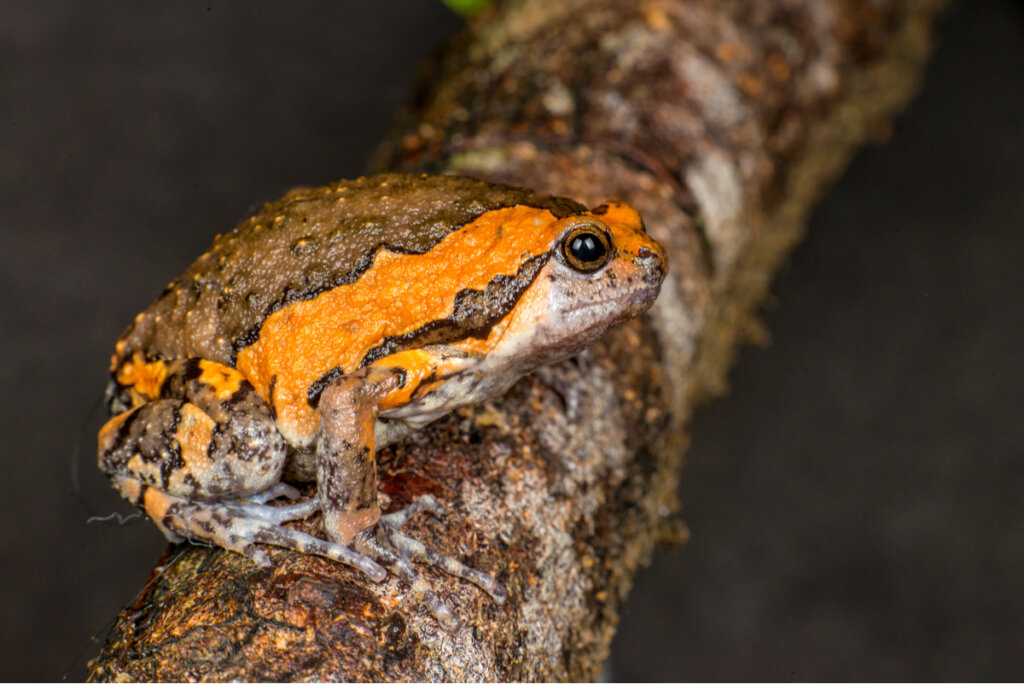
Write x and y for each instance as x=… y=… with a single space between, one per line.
x=399 y=294
x=145 y=377
x=224 y=380
x=656 y=18
x=750 y=84
x=779 y=68
x=195 y=431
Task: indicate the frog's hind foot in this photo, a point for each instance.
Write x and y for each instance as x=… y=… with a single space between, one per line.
x=396 y=551
x=273 y=514
x=240 y=525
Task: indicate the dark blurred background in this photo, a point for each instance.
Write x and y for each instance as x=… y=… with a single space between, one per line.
x=855 y=503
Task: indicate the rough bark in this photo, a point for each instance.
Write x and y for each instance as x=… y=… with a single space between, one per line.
x=721 y=121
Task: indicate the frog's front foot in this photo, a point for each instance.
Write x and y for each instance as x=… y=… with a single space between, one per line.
x=388 y=546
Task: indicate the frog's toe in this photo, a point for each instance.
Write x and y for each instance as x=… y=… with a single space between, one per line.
x=275 y=492
x=413 y=549
x=386 y=545
x=259 y=530
x=396 y=551
x=425 y=503
x=441 y=612
x=258 y=557
x=493 y=587
x=276 y=514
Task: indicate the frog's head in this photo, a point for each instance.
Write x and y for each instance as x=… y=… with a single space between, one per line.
x=603 y=269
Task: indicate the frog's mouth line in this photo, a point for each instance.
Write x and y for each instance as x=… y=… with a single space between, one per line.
x=635 y=297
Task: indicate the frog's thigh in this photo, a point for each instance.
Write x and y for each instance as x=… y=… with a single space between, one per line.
x=176 y=446
x=346 y=464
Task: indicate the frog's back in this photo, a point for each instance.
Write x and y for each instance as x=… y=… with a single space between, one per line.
x=309 y=241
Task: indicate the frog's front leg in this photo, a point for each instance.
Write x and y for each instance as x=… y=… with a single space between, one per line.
x=347 y=484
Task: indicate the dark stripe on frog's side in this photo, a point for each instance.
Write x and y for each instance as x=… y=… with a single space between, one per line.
x=474 y=314
x=309 y=241
x=270 y=397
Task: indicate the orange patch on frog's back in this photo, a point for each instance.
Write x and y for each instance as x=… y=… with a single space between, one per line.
x=399 y=294
x=145 y=377
x=223 y=380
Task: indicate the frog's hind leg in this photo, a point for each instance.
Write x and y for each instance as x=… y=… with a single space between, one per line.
x=204 y=459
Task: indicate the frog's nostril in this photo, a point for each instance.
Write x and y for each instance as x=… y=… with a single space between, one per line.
x=644 y=252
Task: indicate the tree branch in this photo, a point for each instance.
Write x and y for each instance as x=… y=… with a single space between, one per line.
x=721 y=122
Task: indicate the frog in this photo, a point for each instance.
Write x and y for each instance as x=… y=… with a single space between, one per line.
x=338 y=320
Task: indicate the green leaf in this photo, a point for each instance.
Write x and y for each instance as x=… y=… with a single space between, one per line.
x=466 y=7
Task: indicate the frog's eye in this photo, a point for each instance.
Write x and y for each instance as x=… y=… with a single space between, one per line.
x=586 y=248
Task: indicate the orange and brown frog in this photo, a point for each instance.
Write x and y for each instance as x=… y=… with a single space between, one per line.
x=337 y=320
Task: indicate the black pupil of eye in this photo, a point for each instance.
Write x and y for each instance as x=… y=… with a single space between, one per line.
x=587 y=247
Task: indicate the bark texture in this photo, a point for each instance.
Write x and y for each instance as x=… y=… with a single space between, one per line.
x=721 y=121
